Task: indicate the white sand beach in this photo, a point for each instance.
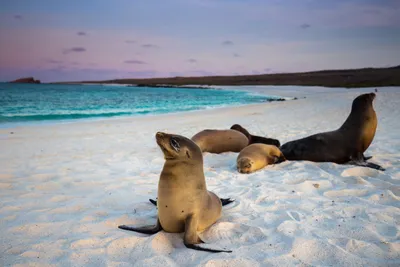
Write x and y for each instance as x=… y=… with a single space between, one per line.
x=65 y=188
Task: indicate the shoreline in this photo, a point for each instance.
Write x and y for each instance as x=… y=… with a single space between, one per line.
x=292 y=93
x=40 y=123
x=128 y=117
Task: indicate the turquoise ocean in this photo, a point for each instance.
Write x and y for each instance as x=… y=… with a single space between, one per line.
x=39 y=103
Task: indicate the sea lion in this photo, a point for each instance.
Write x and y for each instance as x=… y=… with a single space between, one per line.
x=253 y=139
x=219 y=141
x=184 y=204
x=344 y=145
x=256 y=156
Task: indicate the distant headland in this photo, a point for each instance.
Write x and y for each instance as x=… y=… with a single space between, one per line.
x=26 y=80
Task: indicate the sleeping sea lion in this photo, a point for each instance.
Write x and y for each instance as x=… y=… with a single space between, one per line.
x=256 y=156
x=220 y=141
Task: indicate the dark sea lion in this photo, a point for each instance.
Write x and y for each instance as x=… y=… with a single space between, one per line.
x=253 y=139
x=344 y=145
x=184 y=204
x=220 y=141
x=256 y=156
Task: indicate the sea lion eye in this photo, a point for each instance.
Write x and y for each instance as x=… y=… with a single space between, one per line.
x=175 y=144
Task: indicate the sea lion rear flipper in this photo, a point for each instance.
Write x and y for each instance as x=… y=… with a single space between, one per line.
x=191 y=238
x=367 y=164
x=152 y=229
x=224 y=201
x=374 y=166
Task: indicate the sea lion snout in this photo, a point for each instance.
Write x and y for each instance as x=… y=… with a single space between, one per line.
x=244 y=165
x=159 y=135
x=280 y=159
x=163 y=142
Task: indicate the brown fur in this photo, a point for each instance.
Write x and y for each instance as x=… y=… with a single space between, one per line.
x=219 y=141
x=257 y=156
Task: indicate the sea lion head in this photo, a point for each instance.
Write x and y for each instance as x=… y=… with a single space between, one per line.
x=363 y=101
x=239 y=128
x=244 y=165
x=177 y=147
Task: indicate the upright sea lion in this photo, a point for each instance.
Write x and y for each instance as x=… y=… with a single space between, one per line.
x=253 y=139
x=344 y=145
x=219 y=141
x=184 y=204
x=256 y=156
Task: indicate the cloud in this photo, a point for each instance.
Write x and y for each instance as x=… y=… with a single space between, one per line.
x=130 y=42
x=267 y=69
x=305 y=26
x=52 y=61
x=204 y=73
x=81 y=33
x=59 y=68
x=18 y=17
x=191 y=73
x=139 y=62
x=236 y=55
x=192 y=60
x=227 y=42
x=149 y=46
x=74 y=50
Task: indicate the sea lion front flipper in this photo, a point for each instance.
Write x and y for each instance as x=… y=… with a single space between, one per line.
x=151 y=229
x=191 y=238
x=226 y=201
x=154 y=202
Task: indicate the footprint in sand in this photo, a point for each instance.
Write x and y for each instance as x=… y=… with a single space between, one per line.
x=235 y=232
x=360 y=171
x=294 y=215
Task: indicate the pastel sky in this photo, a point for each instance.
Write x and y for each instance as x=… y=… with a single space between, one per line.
x=59 y=40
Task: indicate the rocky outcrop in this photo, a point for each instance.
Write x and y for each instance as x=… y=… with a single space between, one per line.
x=26 y=80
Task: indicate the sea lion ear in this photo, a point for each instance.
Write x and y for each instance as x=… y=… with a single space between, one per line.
x=188 y=154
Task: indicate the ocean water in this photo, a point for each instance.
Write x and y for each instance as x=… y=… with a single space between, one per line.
x=34 y=103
